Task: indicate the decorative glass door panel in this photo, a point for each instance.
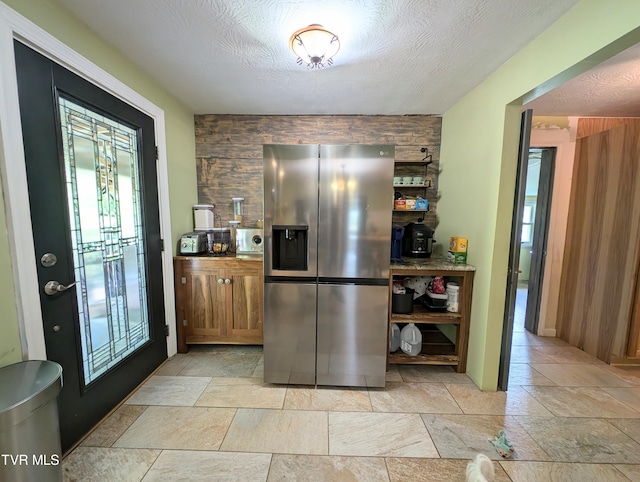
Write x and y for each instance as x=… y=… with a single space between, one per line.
x=104 y=196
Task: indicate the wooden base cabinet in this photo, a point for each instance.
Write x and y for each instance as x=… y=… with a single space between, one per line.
x=218 y=300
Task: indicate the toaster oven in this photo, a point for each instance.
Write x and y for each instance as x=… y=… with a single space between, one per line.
x=193 y=243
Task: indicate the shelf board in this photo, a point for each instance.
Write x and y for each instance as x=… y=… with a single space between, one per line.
x=420 y=162
x=400 y=357
x=410 y=210
x=422 y=314
x=412 y=185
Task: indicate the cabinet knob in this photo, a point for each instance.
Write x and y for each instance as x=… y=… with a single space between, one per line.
x=227 y=281
x=220 y=281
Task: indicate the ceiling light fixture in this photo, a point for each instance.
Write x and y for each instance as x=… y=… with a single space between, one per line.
x=315 y=46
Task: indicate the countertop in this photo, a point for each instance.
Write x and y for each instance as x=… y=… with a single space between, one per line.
x=249 y=257
x=433 y=263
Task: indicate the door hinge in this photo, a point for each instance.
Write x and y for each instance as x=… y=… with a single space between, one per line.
x=166 y=330
x=184 y=323
x=157 y=155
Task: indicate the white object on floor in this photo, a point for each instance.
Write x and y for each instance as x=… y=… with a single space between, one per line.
x=480 y=469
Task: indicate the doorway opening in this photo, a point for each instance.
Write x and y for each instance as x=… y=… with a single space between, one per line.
x=533 y=238
x=530 y=227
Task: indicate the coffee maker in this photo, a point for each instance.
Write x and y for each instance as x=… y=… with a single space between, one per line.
x=418 y=240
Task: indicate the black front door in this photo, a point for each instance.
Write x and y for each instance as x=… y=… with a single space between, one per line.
x=91 y=172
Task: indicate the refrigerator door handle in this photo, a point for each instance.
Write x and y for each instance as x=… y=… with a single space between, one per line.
x=354 y=281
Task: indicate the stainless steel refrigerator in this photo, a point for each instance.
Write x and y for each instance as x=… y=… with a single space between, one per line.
x=327 y=234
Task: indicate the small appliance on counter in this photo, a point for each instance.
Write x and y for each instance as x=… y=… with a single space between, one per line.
x=193 y=243
x=418 y=240
x=248 y=241
x=397 y=233
x=203 y=217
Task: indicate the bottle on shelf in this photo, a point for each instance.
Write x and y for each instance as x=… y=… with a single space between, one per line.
x=411 y=340
x=453 y=290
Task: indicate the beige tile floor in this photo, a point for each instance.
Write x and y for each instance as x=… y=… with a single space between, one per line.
x=207 y=415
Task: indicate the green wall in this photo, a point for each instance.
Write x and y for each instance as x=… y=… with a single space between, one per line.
x=479 y=155
x=180 y=137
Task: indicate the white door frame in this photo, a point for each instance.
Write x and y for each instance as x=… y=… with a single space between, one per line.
x=14 y=177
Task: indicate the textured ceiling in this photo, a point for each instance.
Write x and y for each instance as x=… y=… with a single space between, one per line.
x=396 y=56
x=611 y=89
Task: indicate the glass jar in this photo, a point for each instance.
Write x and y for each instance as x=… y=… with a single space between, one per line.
x=237 y=208
x=233 y=225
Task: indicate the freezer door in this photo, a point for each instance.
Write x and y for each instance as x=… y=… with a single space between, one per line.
x=355 y=208
x=290 y=333
x=291 y=199
x=352 y=335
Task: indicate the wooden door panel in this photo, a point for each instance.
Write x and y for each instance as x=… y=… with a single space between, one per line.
x=207 y=305
x=247 y=302
x=601 y=251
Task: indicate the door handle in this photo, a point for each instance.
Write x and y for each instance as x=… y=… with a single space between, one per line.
x=53 y=287
x=220 y=281
x=227 y=281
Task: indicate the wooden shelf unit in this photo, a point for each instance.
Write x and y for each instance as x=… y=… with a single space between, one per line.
x=437 y=349
x=417 y=165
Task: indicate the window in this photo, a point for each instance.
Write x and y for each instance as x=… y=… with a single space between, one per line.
x=527 y=222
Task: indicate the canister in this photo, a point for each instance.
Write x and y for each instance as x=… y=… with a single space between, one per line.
x=237 y=208
x=203 y=217
x=452 y=297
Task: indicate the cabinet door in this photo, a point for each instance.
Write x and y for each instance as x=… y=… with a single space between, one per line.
x=245 y=325
x=205 y=304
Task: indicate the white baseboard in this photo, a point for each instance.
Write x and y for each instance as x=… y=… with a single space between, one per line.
x=549 y=332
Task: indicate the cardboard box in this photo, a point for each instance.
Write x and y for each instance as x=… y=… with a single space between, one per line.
x=400 y=204
x=457 y=253
x=410 y=204
x=458 y=245
x=457 y=258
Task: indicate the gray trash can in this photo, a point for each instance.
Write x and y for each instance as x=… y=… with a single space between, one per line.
x=29 y=427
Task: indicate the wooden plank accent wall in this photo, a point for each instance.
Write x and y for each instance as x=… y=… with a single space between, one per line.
x=600 y=265
x=229 y=152
x=588 y=126
x=633 y=349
